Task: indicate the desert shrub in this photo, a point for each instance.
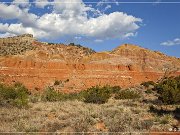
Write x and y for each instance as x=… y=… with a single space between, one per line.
x=120 y=122
x=149 y=91
x=165 y=119
x=57 y=82
x=52 y=95
x=146 y=124
x=82 y=123
x=169 y=90
x=127 y=94
x=15 y=95
x=35 y=98
x=114 y=89
x=7 y=92
x=22 y=96
x=98 y=95
x=148 y=83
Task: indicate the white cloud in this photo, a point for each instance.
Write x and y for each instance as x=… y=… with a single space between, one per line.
x=76 y=9
x=70 y=20
x=176 y=41
x=15 y=12
x=9 y=12
x=19 y=29
x=107 y=7
x=98 y=40
x=77 y=37
x=102 y=2
x=7 y=34
x=21 y=3
x=104 y=5
x=42 y=3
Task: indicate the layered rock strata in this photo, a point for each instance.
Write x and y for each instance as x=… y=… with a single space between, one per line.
x=78 y=68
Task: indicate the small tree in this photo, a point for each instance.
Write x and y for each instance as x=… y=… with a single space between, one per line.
x=169 y=90
x=96 y=95
x=15 y=95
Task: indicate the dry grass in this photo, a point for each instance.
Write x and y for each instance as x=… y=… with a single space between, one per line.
x=76 y=116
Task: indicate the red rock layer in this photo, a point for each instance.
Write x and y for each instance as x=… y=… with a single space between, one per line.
x=79 y=68
x=38 y=75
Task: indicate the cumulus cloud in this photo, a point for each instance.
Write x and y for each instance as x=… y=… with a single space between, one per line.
x=7 y=34
x=176 y=41
x=13 y=11
x=42 y=3
x=68 y=19
x=21 y=3
x=9 y=12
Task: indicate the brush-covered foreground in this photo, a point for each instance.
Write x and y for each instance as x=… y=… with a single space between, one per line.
x=76 y=116
x=143 y=108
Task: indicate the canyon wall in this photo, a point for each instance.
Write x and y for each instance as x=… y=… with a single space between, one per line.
x=38 y=65
x=38 y=75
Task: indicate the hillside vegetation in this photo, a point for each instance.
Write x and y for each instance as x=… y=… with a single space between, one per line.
x=97 y=109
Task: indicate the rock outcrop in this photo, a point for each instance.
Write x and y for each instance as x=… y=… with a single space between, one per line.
x=16 y=45
x=78 y=68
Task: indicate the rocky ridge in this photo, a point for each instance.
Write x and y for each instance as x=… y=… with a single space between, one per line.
x=16 y=45
x=38 y=65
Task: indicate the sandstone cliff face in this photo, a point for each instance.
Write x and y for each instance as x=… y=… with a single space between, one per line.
x=125 y=66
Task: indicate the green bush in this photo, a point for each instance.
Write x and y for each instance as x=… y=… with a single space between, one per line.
x=127 y=94
x=169 y=90
x=96 y=94
x=149 y=91
x=147 y=84
x=114 y=89
x=16 y=95
x=99 y=95
x=52 y=95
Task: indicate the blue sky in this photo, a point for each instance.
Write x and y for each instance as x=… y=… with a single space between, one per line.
x=100 y=26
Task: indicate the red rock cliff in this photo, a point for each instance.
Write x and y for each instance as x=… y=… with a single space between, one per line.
x=79 y=68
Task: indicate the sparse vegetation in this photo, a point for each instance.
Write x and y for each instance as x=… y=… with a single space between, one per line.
x=14 y=49
x=52 y=95
x=127 y=94
x=96 y=95
x=147 y=84
x=53 y=111
x=87 y=50
x=149 y=91
x=99 y=95
x=14 y=95
x=57 y=82
x=169 y=90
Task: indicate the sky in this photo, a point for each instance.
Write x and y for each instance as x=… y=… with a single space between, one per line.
x=98 y=24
